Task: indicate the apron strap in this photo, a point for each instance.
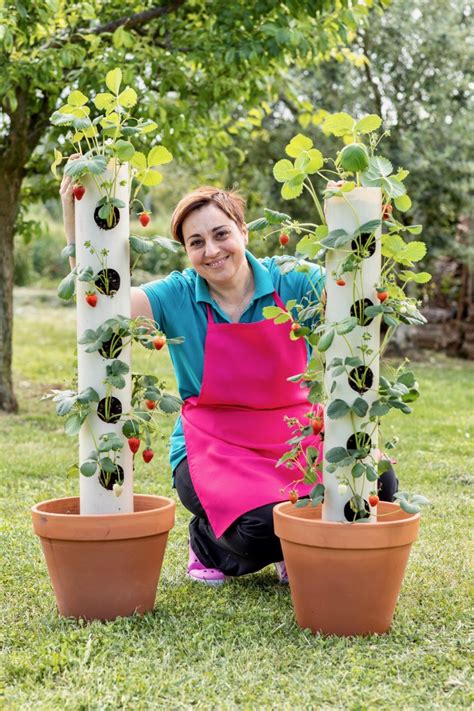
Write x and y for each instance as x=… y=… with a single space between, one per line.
x=278 y=301
x=210 y=317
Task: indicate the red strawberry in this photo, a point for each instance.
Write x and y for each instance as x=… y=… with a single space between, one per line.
x=91 y=299
x=148 y=455
x=159 y=342
x=373 y=500
x=387 y=212
x=144 y=218
x=382 y=295
x=340 y=282
x=78 y=191
x=293 y=496
x=134 y=444
x=151 y=404
x=317 y=424
x=283 y=239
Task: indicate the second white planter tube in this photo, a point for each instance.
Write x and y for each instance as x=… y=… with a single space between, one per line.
x=349 y=213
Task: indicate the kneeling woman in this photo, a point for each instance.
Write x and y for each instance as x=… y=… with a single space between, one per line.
x=232 y=371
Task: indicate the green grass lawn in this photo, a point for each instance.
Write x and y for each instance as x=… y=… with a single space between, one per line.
x=238 y=646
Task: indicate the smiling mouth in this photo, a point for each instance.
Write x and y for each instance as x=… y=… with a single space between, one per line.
x=217 y=263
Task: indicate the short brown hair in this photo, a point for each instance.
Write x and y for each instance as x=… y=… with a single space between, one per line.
x=229 y=201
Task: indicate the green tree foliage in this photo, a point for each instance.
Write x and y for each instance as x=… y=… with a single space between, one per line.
x=417 y=78
x=200 y=60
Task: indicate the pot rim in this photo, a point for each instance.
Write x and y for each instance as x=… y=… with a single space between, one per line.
x=313 y=531
x=97 y=517
x=280 y=508
x=61 y=525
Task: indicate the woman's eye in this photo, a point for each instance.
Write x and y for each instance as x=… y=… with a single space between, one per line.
x=222 y=234
x=196 y=243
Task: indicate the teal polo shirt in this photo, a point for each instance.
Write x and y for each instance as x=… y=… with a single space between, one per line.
x=178 y=304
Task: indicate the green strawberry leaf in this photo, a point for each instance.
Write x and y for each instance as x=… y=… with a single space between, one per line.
x=368 y=124
x=359 y=407
x=67 y=286
x=339 y=124
x=337 y=408
x=113 y=80
x=325 y=341
x=170 y=403
x=284 y=170
x=140 y=245
x=259 y=224
x=88 y=468
x=293 y=188
x=336 y=455
x=275 y=218
x=409 y=507
x=297 y=145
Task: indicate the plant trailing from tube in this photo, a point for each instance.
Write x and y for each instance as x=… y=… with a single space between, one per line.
x=103 y=131
x=358 y=164
x=104 y=137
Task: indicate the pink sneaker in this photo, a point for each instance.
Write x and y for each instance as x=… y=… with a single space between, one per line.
x=198 y=572
x=280 y=568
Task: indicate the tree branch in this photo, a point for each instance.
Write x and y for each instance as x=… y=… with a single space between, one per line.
x=141 y=18
x=369 y=76
x=129 y=21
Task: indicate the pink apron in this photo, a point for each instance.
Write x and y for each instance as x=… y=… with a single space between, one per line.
x=235 y=431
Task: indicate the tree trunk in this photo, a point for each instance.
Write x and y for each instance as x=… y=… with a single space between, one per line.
x=9 y=195
x=26 y=129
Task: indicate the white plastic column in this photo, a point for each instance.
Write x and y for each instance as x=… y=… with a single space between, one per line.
x=94 y=498
x=356 y=208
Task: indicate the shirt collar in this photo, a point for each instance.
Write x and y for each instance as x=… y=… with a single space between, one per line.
x=263 y=281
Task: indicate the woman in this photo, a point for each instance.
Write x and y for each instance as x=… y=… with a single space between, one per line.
x=232 y=372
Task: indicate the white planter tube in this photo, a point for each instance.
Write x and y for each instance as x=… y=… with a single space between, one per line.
x=357 y=207
x=95 y=498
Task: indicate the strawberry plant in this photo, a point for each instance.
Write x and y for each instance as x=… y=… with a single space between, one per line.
x=370 y=258
x=110 y=409
x=106 y=138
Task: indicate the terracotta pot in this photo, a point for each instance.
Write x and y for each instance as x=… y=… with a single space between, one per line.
x=104 y=566
x=345 y=578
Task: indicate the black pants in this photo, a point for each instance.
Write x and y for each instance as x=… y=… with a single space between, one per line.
x=249 y=544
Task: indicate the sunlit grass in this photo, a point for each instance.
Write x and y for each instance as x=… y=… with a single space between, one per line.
x=235 y=647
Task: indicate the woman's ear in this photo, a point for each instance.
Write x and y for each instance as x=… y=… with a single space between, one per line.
x=245 y=233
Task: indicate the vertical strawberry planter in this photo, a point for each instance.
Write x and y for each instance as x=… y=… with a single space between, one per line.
x=112 y=277
x=359 y=383
x=104 y=550
x=345 y=550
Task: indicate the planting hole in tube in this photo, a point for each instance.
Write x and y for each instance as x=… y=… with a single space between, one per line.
x=361 y=379
x=361 y=443
x=108 y=479
x=107 y=281
x=111 y=348
x=102 y=223
x=364 y=245
x=109 y=409
x=362 y=509
x=358 y=310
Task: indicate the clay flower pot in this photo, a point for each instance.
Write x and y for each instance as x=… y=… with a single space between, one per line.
x=104 y=566
x=345 y=578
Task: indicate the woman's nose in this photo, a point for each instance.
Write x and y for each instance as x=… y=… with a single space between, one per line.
x=212 y=249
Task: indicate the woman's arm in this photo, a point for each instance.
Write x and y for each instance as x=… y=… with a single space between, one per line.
x=140 y=304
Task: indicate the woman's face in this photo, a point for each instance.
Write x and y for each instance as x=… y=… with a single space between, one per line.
x=215 y=245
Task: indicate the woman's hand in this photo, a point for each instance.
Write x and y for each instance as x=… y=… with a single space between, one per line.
x=67 y=201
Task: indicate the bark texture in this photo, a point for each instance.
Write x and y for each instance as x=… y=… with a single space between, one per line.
x=26 y=129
